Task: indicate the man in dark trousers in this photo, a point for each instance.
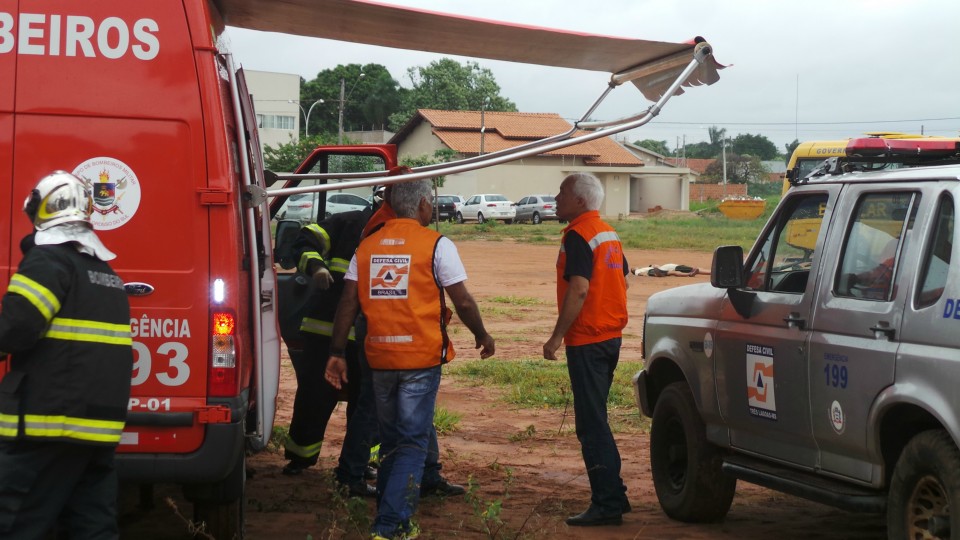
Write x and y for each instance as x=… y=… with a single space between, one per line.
x=592 y=299
x=323 y=252
x=65 y=322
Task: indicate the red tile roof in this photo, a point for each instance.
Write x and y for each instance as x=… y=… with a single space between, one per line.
x=694 y=164
x=460 y=130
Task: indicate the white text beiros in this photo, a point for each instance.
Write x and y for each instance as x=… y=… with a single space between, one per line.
x=76 y=35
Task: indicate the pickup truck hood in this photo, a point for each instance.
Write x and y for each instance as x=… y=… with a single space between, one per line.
x=701 y=300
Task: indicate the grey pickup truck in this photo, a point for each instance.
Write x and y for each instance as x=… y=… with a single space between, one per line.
x=826 y=364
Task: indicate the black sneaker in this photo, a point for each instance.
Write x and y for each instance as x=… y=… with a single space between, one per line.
x=442 y=489
x=370 y=473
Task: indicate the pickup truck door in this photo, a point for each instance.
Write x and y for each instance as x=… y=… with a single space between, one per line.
x=760 y=359
x=857 y=319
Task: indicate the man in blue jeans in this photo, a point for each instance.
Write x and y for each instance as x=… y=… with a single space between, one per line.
x=352 y=467
x=592 y=297
x=398 y=278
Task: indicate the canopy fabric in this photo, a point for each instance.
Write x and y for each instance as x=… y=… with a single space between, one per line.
x=364 y=21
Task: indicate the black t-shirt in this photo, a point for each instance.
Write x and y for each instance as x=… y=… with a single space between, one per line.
x=580 y=257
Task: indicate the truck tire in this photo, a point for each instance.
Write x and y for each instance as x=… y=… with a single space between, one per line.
x=220 y=508
x=924 y=487
x=686 y=468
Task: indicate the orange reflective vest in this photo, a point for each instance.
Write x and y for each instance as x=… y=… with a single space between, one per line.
x=604 y=312
x=401 y=298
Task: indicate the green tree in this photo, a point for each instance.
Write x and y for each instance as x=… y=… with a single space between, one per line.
x=659 y=147
x=717 y=135
x=701 y=150
x=754 y=145
x=369 y=99
x=446 y=84
x=287 y=157
x=441 y=155
x=740 y=170
x=790 y=148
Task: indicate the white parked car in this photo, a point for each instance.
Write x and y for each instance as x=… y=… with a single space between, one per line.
x=487 y=206
x=345 y=202
x=298 y=207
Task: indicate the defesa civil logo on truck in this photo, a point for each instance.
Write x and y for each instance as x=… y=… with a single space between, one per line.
x=116 y=191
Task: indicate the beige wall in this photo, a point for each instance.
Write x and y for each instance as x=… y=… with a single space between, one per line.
x=529 y=176
x=667 y=187
x=272 y=93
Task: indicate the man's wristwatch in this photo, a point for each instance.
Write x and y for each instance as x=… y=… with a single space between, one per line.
x=339 y=353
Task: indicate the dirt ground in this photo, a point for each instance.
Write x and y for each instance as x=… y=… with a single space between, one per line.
x=536 y=473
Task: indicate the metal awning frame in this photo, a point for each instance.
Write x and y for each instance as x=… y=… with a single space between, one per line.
x=702 y=56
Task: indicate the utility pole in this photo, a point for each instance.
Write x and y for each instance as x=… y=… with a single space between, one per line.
x=340 y=115
x=343 y=103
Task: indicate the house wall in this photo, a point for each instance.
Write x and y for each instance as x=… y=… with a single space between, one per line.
x=528 y=176
x=666 y=187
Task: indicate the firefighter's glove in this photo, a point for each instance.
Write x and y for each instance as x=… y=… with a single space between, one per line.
x=322 y=278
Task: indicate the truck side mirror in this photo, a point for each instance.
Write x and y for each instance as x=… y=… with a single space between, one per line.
x=287 y=230
x=726 y=272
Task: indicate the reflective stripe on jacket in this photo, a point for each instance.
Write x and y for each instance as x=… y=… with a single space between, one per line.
x=604 y=312
x=401 y=298
x=332 y=242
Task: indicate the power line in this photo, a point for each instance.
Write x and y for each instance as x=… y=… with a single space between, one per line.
x=807 y=123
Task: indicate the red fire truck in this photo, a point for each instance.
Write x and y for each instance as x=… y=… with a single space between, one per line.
x=139 y=99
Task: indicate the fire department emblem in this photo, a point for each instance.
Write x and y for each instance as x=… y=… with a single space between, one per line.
x=116 y=191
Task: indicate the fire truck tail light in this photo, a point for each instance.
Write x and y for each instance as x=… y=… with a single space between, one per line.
x=223 y=324
x=222 y=377
x=224 y=352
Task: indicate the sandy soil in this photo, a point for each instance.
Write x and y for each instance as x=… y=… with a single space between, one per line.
x=536 y=473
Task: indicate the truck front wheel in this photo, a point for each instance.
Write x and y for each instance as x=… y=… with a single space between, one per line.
x=686 y=468
x=924 y=487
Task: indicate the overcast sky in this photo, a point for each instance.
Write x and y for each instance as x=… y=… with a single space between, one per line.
x=811 y=69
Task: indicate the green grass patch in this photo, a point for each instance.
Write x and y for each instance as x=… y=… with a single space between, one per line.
x=518 y=300
x=541 y=383
x=500 y=311
x=446 y=421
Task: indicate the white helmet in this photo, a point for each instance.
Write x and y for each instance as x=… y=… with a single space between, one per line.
x=59 y=198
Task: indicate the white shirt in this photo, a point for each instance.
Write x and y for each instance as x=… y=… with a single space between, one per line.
x=446 y=265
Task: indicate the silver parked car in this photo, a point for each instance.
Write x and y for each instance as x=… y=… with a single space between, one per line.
x=536 y=208
x=487 y=206
x=825 y=364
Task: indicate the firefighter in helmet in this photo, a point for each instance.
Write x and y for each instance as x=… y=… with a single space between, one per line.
x=323 y=251
x=65 y=322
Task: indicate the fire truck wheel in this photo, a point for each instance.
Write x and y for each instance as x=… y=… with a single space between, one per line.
x=222 y=512
x=925 y=484
x=685 y=466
